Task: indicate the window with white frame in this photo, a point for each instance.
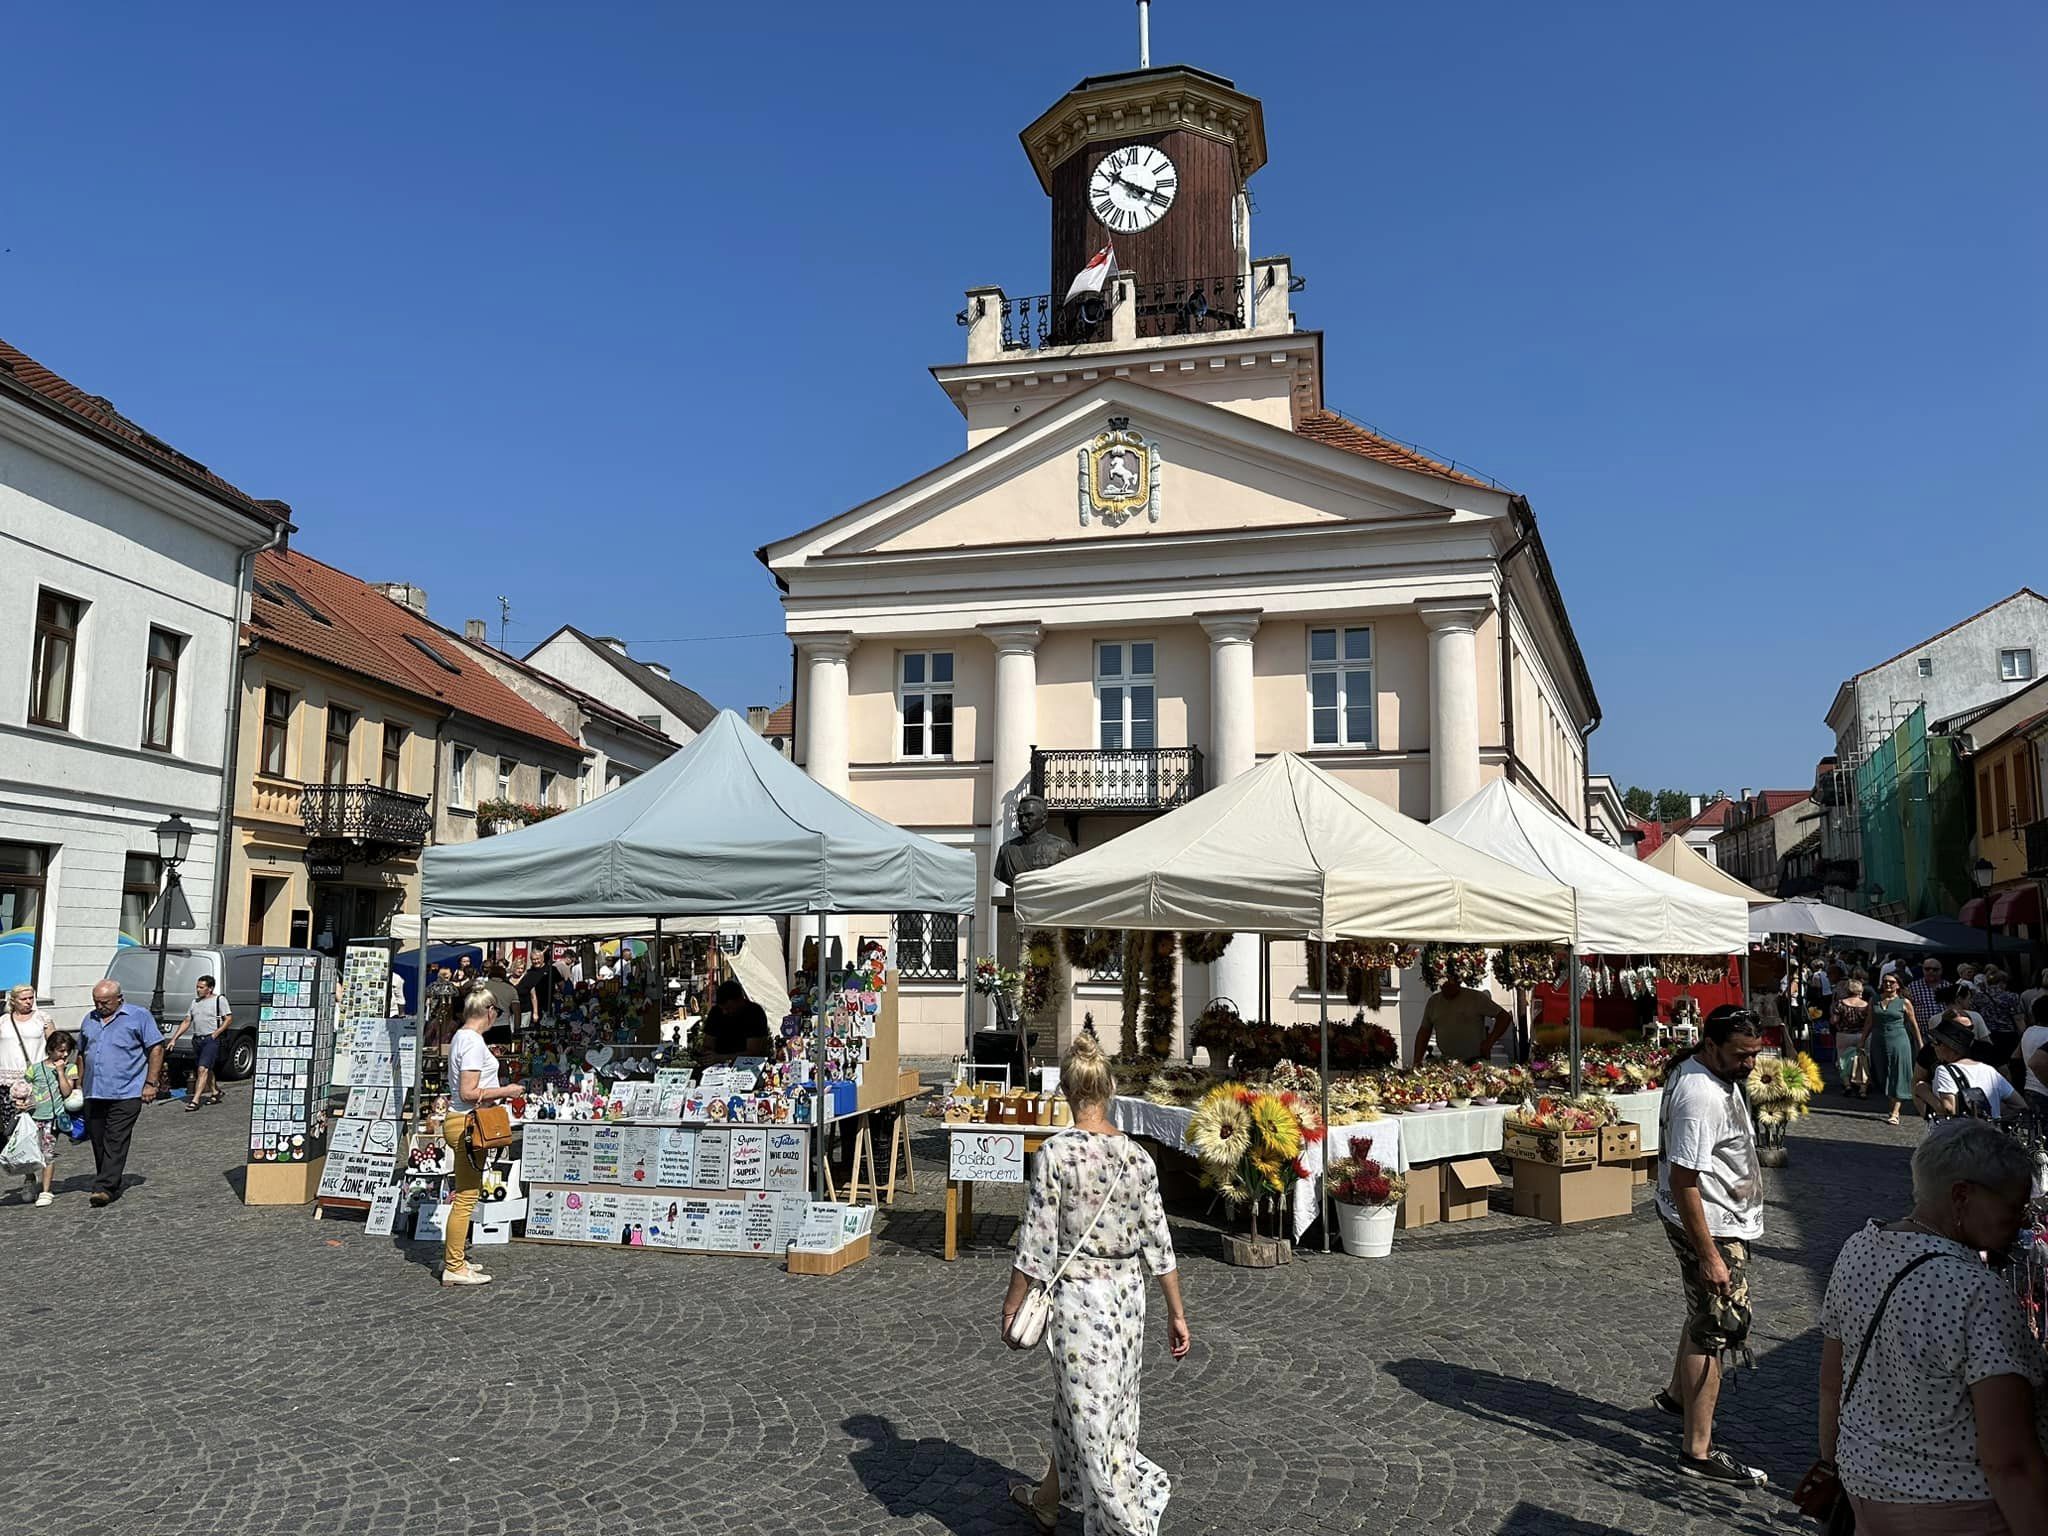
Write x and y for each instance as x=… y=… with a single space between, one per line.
x=2015 y=665
x=1925 y=666
x=924 y=695
x=506 y=768
x=1126 y=696
x=547 y=786
x=1340 y=696
x=458 y=776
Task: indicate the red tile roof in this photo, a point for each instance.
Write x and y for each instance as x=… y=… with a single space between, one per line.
x=1713 y=814
x=366 y=632
x=782 y=722
x=1342 y=432
x=96 y=416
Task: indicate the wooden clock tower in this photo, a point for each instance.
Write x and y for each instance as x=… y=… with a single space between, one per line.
x=1154 y=161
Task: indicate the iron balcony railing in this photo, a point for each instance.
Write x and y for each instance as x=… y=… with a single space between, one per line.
x=2037 y=847
x=1131 y=779
x=364 y=813
x=1186 y=306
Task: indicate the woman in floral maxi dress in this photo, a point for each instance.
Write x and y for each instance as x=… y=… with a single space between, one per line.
x=1097 y=1327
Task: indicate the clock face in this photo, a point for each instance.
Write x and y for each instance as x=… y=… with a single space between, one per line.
x=1132 y=188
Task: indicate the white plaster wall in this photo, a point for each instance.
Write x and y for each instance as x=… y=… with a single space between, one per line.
x=1965 y=671
x=566 y=657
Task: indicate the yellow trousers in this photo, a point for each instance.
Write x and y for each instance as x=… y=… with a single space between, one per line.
x=469 y=1187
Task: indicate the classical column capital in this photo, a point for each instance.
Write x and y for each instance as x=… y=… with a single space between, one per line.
x=1459 y=613
x=825 y=645
x=1234 y=627
x=1018 y=639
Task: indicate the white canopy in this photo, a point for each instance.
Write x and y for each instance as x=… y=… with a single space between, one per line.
x=1287 y=850
x=1676 y=858
x=760 y=966
x=1816 y=919
x=1625 y=907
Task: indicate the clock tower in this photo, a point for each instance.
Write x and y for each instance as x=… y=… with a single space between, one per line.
x=1154 y=162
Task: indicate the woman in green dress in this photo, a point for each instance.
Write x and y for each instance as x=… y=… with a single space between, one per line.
x=1896 y=1033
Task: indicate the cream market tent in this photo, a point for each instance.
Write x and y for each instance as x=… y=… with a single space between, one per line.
x=760 y=965
x=1625 y=907
x=1287 y=851
x=1680 y=860
x=725 y=826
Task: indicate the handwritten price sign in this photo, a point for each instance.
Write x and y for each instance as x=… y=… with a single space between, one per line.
x=988 y=1157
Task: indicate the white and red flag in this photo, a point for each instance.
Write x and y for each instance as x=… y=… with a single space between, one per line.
x=1095 y=277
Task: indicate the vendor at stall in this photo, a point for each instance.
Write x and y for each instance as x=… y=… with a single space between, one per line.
x=736 y=1025
x=1457 y=1018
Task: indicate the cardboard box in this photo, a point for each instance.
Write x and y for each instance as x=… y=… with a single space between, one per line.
x=1621 y=1143
x=1423 y=1205
x=1467 y=1182
x=1546 y=1145
x=1643 y=1169
x=1563 y=1196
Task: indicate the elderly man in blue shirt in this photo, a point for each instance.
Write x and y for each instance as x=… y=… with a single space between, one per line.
x=124 y=1065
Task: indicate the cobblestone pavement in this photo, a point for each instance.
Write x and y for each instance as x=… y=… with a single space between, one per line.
x=186 y=1364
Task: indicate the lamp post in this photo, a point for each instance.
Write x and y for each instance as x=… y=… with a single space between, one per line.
x=1982 y=873
x=173 y=842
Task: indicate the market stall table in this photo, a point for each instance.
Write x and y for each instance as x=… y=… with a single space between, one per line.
x=960 y=1191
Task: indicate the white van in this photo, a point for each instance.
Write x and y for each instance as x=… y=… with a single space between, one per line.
x=237 y=970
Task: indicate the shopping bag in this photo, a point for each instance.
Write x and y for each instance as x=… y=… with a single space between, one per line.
x=23 y=1152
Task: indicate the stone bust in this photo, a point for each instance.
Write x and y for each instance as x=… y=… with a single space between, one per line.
x=1036 y=846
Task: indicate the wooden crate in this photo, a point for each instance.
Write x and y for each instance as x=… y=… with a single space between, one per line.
x=830 y=1263
x=1566 y=1149
x=1621 y=1143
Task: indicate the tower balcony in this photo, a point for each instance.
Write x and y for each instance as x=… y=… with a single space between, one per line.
x=1134 y=313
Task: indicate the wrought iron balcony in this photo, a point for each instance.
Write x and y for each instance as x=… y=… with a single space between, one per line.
x=364 y=813
x=2037 y=847
x=1133 y=781
x=1185 y=306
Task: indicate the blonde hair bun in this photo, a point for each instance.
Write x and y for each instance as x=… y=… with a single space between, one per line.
x=1085 y=1076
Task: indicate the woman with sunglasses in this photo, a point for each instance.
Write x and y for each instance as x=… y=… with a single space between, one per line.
x=1896 y=1033
x=472 y=1083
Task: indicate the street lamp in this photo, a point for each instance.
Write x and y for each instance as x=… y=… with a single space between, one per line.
x=1982 y=873
x=173 y=843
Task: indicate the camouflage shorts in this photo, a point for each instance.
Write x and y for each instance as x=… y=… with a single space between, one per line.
x=1718 y=1322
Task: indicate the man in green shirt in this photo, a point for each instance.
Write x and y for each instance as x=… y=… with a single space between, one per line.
x=1457 y=1019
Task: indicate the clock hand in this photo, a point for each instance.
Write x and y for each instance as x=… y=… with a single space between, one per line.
x=1148 y=192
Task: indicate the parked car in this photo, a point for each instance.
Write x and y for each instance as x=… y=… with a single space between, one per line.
x=238 y=968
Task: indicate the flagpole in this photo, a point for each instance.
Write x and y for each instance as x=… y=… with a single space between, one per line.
x=1144 y=34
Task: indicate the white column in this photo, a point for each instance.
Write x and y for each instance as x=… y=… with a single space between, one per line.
x=1453 y=700
x=824 y=737
x=1233 y=749
x=1016 y=722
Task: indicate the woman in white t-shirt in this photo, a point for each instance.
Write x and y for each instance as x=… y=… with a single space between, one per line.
x=472 y=1083
x=2033 y=1057
x=1942 y=1429
x=1957 y=1073
x=21 y=1037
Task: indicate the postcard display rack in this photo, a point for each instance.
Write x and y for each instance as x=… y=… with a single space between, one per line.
x=288 y=1094
x=362 y=1146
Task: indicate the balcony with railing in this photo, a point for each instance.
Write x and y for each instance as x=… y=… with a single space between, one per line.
x=365 y=814
x=1128 y=781
x=1132 y=311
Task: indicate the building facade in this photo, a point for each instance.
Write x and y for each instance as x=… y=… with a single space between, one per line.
x=1978 y=661
x=1759 y=830
x=2002 y=752
x=1606 y=817
x=600 y=666
x=366 y=732
x=126 y=564
x=1159 y=558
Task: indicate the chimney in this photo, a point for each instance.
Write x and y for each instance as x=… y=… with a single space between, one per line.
x=1695 y=805
x=658 y=670
x=475 y=632
x=405 y=594
x=757 y=718
x=1745 y=794
x=611 y=640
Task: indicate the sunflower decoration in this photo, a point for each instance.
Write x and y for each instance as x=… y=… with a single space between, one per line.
x=1810 y=1070
x=1220 y=1131
x=1248 y=1141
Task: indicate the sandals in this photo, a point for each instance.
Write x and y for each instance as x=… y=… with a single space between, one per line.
x=1024 y=1496
x=192 y=1105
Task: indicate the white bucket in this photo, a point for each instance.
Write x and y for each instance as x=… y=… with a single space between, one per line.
x=1367 y=1231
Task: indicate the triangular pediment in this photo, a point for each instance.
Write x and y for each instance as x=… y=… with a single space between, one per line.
x=1193 y=468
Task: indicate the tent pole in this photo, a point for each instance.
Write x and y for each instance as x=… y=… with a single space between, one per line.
x=419 y=1044
x=1265 y=1013
x=660 y=987
x=1323 y=1002
x=967 y=989
x=820 y=1099
x=1578 y=992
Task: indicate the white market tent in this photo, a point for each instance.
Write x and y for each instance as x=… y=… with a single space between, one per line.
x=760 y=966
x=1625 y=907
x=1677 y=858
x=725 y=826
x=1285 y=850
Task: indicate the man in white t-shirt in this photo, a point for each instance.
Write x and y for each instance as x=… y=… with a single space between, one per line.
x=1957 y=1074
x=1710 y=1193
x=2033 y=1056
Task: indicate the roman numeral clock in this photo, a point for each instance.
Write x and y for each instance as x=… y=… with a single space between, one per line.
x=1154 y=161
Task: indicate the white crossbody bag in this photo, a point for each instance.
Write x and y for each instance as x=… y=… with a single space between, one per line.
x=1026 y=1327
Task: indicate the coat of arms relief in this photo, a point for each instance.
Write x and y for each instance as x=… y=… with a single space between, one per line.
x=1119 y=474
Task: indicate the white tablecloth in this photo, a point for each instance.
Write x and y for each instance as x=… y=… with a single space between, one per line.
x=1642 y=1109
x=1141 y=1117
x=1431 y=1135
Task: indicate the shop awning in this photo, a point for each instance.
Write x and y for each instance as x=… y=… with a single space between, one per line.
x=1974 y=912
x=1287 y=851
x=2021 y=904
x=1625 y=906
x=726 y=826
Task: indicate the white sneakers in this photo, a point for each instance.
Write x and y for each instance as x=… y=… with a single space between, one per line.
x=470 y=1276
x=45 y=1198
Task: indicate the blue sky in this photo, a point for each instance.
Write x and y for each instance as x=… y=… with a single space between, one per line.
x=581 y=305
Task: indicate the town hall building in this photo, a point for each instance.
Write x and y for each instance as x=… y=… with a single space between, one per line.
x=1161 y=558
